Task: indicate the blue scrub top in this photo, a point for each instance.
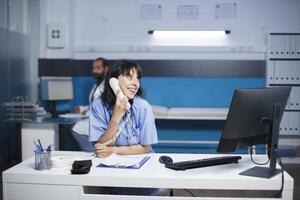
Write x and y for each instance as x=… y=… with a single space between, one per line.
x=140 y=128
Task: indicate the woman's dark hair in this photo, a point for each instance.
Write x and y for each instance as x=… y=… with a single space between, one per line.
x=123 y=67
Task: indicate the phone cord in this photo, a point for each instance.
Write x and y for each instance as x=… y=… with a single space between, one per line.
x=113 y=140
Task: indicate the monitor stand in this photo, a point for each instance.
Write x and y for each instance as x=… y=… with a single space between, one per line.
x=262 y=172
x=52 y=108
x=268 y=172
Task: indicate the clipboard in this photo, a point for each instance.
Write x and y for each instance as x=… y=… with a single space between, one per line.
x=124 y=162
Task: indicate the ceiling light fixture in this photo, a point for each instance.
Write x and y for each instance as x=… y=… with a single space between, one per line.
x=215 y=32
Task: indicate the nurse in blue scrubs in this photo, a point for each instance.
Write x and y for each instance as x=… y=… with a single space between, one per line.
x=109 y=114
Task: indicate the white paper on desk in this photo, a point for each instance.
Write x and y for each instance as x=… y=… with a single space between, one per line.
x=62 y=160
x=122 y=161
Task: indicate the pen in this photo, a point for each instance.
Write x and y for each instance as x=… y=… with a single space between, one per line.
x=37 y=148
x=40 y=145
x=49 y=148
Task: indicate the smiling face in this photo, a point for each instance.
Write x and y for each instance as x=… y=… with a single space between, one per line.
x=129 y=84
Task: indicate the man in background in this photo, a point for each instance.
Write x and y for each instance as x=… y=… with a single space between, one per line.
x=80 y=130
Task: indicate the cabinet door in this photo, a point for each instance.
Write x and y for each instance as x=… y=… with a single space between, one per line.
x=17 y=191
x=30 y=132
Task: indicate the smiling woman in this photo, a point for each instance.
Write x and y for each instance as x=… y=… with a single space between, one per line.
x=133 y=128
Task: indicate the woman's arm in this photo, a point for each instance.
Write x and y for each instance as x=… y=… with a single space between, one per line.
x=104 y=151
x=113 y=126
x=110 y=132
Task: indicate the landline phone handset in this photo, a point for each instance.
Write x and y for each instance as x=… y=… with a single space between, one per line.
x=114 y=84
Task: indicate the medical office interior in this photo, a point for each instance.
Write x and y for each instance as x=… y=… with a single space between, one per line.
x=189 y=80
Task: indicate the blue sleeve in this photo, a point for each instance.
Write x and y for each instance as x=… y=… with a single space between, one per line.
x=148 y=132
x=98 y=120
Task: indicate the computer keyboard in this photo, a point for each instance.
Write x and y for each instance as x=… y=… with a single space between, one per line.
x=190 y=164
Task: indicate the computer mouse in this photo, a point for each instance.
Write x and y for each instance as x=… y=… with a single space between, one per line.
x=165 y=159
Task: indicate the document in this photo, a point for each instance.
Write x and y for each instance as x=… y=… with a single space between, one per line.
x=62 y=160
x=121 y=161
x=65 y=160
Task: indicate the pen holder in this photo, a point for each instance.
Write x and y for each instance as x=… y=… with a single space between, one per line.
x=43 y=160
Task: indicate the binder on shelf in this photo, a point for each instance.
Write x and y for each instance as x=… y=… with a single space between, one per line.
x=289 y=74
x=293 y=123
x=124 y=162
x=283 y=124
x=298 y=46
x=272 y=46
x=297 y=123
x=296 y=71
x=288 y=103
x=290 y=123
x=293 y=46
x=296 y=97
x=280 y=71
x=280 y=46
x=271 y=72
x=292 y=73
x=287 y=46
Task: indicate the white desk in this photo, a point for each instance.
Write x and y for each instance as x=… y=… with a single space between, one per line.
x=23 y=182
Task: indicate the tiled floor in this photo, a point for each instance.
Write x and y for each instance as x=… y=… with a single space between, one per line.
x=294 y=171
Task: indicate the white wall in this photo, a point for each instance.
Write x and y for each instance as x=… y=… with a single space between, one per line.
x=113 y=28
x=53 y=11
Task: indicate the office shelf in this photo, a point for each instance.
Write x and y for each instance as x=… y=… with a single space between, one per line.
x=283 y=69
x=188 y=113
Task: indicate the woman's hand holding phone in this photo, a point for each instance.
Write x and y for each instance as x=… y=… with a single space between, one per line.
x=114 y=84
x=120 y=108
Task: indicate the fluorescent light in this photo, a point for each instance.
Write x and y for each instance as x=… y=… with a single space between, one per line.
x=189 y=33
x=190 y=38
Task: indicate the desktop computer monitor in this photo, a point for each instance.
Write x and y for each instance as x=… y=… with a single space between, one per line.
x=254 y=118
x=55 y=89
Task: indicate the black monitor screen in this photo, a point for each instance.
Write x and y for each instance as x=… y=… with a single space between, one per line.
x=249 y=108
x=254 y=118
